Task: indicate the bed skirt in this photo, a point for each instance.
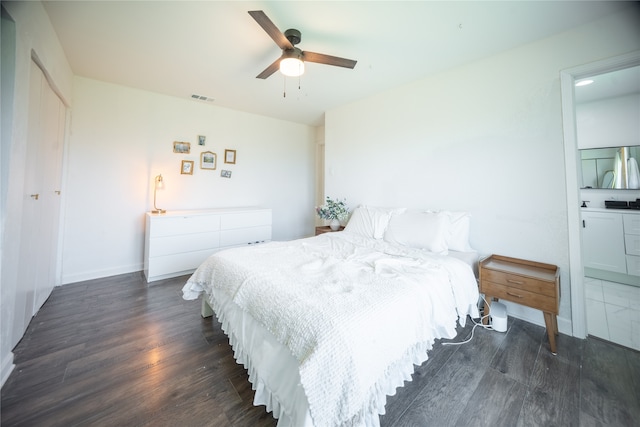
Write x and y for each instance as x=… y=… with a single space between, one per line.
x=273 y=371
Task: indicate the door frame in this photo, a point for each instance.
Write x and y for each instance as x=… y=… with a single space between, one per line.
x=573 y=172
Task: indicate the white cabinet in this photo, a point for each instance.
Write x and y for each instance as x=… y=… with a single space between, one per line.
x=632 y=242
x=611 y=241
x=177 y=242
x=603 y=241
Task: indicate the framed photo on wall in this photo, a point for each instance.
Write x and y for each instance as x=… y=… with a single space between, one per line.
x=230 y=156
x=208 y=160
x=181 y=147
x=187 y=167
x=201 y=139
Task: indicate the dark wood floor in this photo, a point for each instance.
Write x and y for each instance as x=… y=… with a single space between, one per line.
x=116 y=351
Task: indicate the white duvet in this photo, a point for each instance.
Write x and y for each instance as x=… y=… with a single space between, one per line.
x=349 y=309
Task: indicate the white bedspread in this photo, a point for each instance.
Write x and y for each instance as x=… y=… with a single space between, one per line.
x=348 y=309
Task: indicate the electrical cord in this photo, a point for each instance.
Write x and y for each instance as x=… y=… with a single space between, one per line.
x=475 y=325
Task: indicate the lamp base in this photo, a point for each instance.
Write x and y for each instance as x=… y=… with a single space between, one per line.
x=159 y=211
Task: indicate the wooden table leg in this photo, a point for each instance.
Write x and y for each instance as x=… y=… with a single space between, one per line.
x=552 y=330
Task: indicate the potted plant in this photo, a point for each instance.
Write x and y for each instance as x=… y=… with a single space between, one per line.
x=334 y=211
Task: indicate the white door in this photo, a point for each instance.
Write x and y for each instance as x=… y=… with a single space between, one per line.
x=51 y=143
x=41 y=199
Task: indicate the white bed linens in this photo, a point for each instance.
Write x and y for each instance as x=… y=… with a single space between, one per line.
x=348 y=308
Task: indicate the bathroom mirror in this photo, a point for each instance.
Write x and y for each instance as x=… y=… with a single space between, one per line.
x=611 y=168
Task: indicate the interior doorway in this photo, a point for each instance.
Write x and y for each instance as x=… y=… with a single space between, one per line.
x=573 y=180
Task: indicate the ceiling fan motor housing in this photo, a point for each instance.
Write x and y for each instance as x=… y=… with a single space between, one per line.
x=293 y=53
x=293 y=35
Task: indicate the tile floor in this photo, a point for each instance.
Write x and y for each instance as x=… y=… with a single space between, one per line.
x=613 y=312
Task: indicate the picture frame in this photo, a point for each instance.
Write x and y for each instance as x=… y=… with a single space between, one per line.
x=181 y=147
x=187 y=167
x=201 y=139
x=208 y=160
x=225 y=174
x=230 y=156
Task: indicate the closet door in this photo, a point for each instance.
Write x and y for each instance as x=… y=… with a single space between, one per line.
x=41 y=200
x=51 y=144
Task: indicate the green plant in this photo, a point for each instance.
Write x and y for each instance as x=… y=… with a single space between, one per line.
x=333 y=209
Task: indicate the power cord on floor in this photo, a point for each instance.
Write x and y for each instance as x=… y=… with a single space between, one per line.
x=475 y=325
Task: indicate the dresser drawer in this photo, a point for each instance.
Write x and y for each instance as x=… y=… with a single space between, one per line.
x=245 y=219
x=180 y=225
x=244 y=236
x=631 y=223
x=176 y=264
x=520 y=282
x=632 y=244
x=520 y=296
x=160 y=246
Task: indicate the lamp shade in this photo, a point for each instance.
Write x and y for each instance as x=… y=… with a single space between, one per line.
x=291 y=63
x=159 y=182
x=158 y=185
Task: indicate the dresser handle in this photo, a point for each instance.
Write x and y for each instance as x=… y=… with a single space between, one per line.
x=515 y=295
x=515 y=282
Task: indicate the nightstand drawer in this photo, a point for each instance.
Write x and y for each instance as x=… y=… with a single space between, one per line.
x=520 y=296
x=521 y=282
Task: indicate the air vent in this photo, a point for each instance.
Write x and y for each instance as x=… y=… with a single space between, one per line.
x=202 y=98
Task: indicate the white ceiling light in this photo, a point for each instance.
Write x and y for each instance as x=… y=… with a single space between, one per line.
x=584 y=82
x=291 y=63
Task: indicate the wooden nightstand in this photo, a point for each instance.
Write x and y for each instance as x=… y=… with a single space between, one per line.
x=326 y=229
x=529 y=283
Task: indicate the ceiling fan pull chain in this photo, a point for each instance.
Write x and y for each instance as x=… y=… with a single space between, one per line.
x=284 y=86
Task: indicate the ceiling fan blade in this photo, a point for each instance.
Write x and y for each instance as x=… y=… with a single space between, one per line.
x=275 y=66
x=321 y=58
x=263 y=20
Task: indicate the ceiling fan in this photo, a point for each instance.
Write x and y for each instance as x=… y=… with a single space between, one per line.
x=291 y=63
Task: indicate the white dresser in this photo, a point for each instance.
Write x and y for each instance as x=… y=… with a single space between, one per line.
x=177 y=242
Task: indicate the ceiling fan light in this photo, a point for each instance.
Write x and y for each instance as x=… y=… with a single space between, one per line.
x=292 y=67
x=584 y=82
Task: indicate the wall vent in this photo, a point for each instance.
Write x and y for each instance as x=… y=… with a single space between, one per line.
x=202 y=98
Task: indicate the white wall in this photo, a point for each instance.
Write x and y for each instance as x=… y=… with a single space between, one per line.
x=34 y=36
x=121 y=138
x=485 y=137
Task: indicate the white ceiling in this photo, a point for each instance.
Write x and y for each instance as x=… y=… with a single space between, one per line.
x=609 y=85
x=215 y=48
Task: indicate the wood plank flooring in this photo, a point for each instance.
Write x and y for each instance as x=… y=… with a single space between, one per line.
x=116 y=352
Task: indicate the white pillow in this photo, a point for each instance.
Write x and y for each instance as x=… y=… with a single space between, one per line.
x=370 y=221
x=422 y=230
x=459 y=223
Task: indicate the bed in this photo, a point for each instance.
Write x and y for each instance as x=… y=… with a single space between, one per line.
x=330 y=325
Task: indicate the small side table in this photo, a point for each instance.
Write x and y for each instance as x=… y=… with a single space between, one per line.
x=529 y=283
x=326 y=229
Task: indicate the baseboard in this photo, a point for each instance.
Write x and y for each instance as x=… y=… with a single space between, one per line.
x=535 y=316
x=565 y=326
x=7 y=367
x=99 y=274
